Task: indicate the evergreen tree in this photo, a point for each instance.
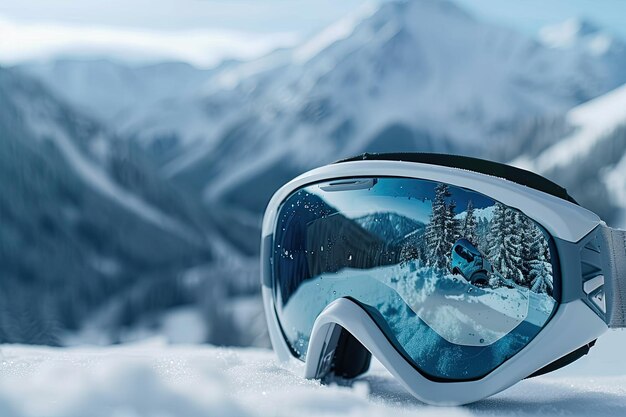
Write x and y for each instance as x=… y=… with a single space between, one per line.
x=453 y=226
x=541 y=277
x=482 y=234
x=537 y=260
x=437 y=236
x=412 y=248
x=527 y=243
x=516 y=226
x=505 y=244
x=469 y=231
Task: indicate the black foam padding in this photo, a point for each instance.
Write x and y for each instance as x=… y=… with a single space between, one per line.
x=351 y=357
x=565 y=360
x=482 y=166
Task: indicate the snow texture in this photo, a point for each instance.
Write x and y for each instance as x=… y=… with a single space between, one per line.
x=156 y=380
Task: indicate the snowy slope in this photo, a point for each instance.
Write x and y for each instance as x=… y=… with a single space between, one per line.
x=589 y=162
x=593 y=121
x=154 y=380
x=448 y=305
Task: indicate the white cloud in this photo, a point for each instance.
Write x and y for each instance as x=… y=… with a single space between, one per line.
x=202 y=47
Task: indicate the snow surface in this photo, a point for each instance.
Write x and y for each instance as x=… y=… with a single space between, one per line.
x=157 y=380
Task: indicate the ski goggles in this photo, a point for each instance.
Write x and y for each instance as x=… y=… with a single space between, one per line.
x=461 y=276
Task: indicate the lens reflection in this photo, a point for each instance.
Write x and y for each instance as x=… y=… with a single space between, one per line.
x=457 y=281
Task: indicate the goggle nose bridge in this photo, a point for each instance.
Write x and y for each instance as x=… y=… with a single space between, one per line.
x=342 y=355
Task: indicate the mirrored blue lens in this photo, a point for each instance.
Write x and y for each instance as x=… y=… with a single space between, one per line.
x=457 y=281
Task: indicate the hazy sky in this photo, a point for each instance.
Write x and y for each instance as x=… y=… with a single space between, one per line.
x=206 y=31
x=246 y=15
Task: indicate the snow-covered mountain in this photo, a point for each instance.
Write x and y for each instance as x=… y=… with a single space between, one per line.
x=591 y=161
x=392 y=81
x=84 y=220
x=418 y=75
x=389 y=226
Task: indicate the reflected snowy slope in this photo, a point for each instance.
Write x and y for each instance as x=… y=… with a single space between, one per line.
x=415 y=302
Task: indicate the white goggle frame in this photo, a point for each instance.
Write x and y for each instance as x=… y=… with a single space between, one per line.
x=577 y=321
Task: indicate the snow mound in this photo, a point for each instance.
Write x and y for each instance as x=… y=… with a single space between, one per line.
x=154 y=380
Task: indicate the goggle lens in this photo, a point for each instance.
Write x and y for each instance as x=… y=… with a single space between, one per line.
x=457 y=281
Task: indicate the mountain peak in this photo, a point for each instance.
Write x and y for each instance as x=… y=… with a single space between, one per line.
x=413 y=12
x=372 y=18
x=333 y=33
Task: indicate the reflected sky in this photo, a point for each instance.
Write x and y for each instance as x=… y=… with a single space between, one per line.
x=411 y=198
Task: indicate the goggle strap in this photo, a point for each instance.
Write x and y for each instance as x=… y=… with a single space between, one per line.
x=614 y=289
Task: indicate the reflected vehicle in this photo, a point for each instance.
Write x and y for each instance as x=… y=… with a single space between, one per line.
x=469 y=262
